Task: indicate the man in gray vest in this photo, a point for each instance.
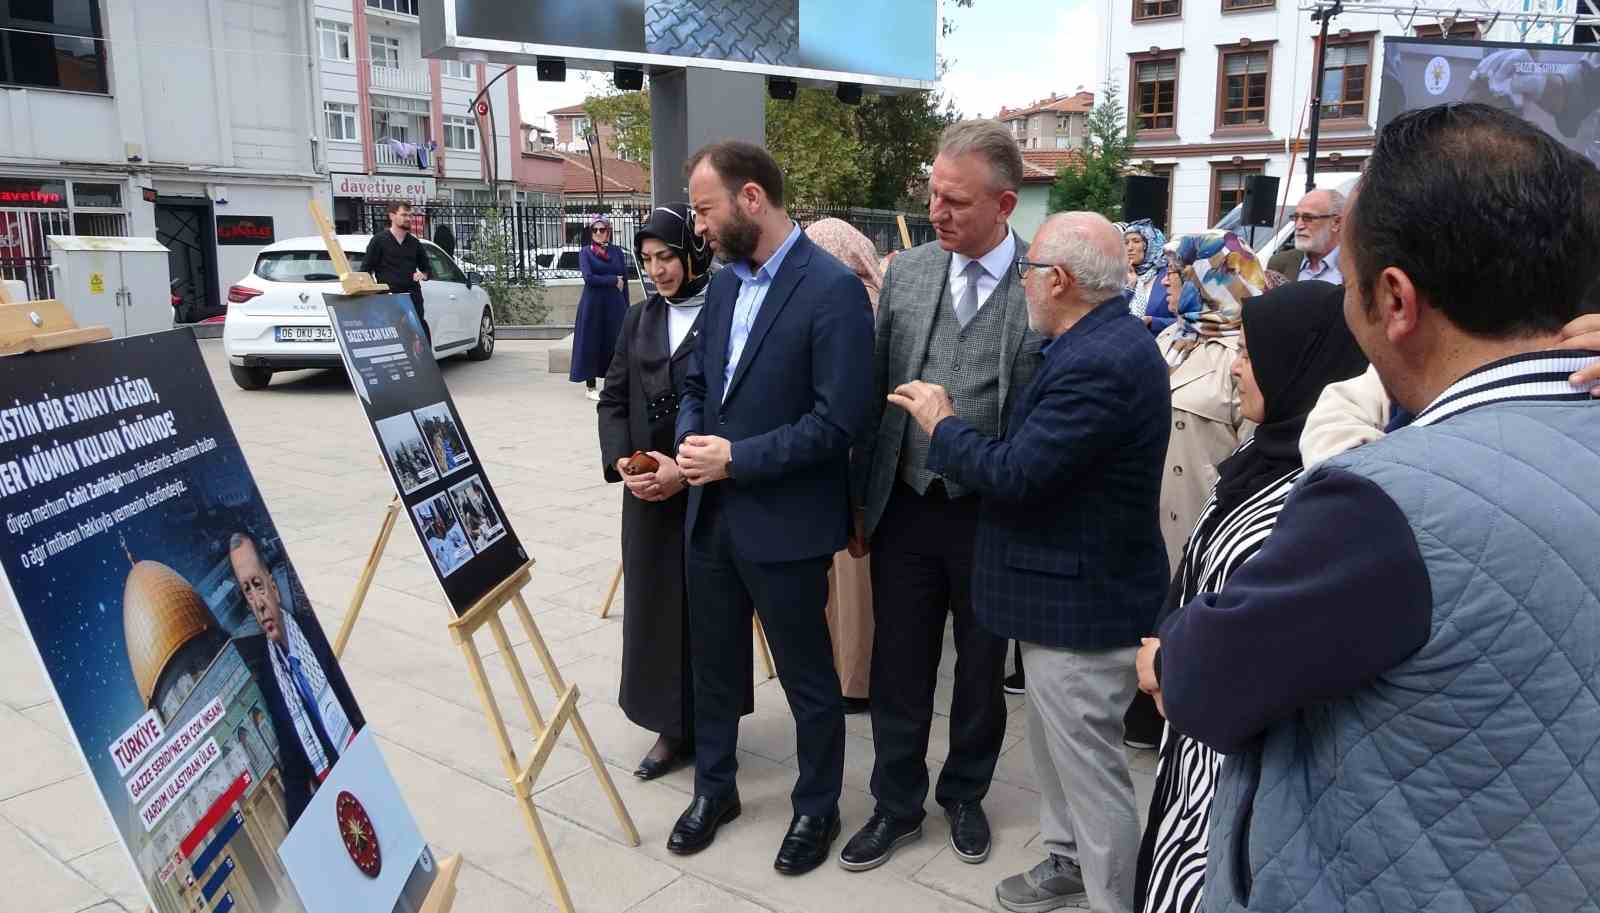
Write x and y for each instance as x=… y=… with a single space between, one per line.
x=1406 y=677
x=951 y=313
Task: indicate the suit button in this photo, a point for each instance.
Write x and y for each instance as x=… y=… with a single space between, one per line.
x=1180 y=425
x=956 y=368
x=723 y=420
x=1177 y=470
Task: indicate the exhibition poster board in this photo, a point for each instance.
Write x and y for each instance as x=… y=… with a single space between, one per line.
x=210 y=712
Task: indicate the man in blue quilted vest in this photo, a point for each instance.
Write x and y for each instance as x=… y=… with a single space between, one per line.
x=1406 y=678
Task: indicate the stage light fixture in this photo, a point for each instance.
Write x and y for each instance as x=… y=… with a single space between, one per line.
x=782 y=89
x=551 y=69
x=628 y=79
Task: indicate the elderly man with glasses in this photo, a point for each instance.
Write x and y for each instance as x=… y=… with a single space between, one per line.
x=1068 y=558
x=1318 y=222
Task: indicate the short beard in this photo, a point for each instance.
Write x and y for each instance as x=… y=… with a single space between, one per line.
x=738 y=239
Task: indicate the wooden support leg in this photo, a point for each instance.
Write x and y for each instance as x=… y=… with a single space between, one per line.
x=508 y=757
x=611 y=591
x=359 y=597
x=443 y=894
x=578 y=727
x=761 y=642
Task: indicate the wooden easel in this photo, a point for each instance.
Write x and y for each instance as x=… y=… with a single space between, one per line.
x=755 y=623
x=486 y=613
x=42 y=326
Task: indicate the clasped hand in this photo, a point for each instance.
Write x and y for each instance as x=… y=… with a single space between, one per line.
x=667 y=480
x=704 y=458
x=927 y=403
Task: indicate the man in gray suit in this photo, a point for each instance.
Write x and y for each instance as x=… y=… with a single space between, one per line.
x=951 y=313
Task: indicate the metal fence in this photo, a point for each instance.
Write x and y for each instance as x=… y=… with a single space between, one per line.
x=537 y=237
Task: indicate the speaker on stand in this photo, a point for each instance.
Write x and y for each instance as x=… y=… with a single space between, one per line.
x=1145 y=197
x=1260 y=204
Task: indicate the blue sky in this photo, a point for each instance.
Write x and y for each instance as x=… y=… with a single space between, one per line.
x=1003 y=52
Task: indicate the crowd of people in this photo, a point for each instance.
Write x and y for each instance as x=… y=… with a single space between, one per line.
x=1338 y=566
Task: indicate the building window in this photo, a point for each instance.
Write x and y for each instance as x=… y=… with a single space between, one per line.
x=385 y=51
x=1229 y=6
x=406 y=7
x=334 y=37
x=1155 y=99
x=1344 y=80
x=54 y=44
x=1228 y=188
x=1242 y=100
x=455 y=69
x=401 y=119
x=460 y=133
x=1156 y=9
x=341 y=122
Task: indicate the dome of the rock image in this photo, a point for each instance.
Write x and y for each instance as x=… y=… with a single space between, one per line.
x=161 y=613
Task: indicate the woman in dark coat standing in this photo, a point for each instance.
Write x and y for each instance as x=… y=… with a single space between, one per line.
x=638 y=411
x=600 y=310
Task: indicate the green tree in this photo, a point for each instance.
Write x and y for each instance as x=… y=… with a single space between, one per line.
x=899 y=135
x=1096 y=185
x=628 y=113
x=814 y=138
x=515 y=303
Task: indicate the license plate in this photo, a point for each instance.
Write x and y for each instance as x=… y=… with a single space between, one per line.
x=305 y=334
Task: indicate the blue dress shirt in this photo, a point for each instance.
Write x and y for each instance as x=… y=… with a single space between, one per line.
x=753 y=287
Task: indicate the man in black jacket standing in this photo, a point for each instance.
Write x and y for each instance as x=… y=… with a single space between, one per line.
x=395 y=257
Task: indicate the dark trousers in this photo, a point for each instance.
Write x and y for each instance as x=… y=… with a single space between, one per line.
x=791 y=598
x=921 y=572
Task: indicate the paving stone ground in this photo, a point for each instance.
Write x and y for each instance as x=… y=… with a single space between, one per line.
x=313 y=457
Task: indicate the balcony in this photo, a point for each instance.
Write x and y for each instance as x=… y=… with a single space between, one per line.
x=403 y=7
x=406 y=80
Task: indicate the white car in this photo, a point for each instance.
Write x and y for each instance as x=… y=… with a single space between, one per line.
x=276 y=320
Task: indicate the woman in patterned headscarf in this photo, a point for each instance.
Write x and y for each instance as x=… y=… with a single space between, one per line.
x=1147 y=265
x=1216 y=273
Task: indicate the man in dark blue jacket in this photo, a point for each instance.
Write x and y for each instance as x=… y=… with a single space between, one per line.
x=776 y=391
x=1069 y=559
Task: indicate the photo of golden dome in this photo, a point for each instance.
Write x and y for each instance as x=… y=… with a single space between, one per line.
x=160 y=613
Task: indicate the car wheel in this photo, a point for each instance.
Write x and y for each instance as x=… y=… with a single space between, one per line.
x=485 y=347
x=250 y=378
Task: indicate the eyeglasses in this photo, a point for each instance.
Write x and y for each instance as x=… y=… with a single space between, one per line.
x=1309 y=216
x=1023 y=264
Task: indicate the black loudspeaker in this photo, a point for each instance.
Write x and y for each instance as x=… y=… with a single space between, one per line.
x=782 y=89
x=849 y=93
x=551 y=69
x=1260 y=200
x=628 y=79
x=1145 y=197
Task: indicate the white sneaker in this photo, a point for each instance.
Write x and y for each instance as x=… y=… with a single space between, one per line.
x=593 y=394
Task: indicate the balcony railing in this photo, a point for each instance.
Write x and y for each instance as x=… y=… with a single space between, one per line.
x=404 y=7
x=410 y=80
x=385 y=156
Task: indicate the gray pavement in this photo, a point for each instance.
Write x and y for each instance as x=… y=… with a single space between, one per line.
x=314 y=459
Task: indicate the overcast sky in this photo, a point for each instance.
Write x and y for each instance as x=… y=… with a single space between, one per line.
x=1003 y=52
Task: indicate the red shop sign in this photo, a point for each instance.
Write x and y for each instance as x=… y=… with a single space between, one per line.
x=31 y=194
x=244 y=230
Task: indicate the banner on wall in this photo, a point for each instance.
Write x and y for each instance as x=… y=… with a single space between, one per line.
x=435 y=469
x=198 y=685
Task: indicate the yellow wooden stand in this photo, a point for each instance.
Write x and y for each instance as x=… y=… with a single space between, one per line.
x=523 y=775
x=755 y=623
x=41 y=326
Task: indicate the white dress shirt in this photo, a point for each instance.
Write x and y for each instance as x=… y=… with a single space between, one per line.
x=1327 y=272
x=994 y=263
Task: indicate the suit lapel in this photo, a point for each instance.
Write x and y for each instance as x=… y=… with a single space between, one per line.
x=783 y=286
x=1016 y=327
x=922 y=331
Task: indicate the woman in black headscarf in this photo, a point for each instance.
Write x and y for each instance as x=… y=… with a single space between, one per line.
x=1294 y=342
x=638 y=410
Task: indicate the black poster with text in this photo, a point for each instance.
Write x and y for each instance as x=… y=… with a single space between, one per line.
x=438 y=474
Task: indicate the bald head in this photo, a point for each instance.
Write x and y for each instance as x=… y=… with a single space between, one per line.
x=1092 y=268
x=1089 y=247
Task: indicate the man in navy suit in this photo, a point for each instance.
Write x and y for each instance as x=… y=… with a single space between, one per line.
x=1069 y=559
x=777 y=389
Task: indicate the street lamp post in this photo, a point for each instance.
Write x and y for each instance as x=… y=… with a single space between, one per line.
x=1322 y=14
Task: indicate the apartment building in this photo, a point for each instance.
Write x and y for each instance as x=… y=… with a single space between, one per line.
x=398 y=125
x=1219 y=90
x=1057 y=123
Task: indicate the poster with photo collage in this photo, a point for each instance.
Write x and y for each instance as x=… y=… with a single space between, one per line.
x=440 y=479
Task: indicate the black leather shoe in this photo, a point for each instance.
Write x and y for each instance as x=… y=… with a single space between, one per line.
x=650 y=768
x=808 y=843
x=876 y=842
x=698 y=824
x=969 y=831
